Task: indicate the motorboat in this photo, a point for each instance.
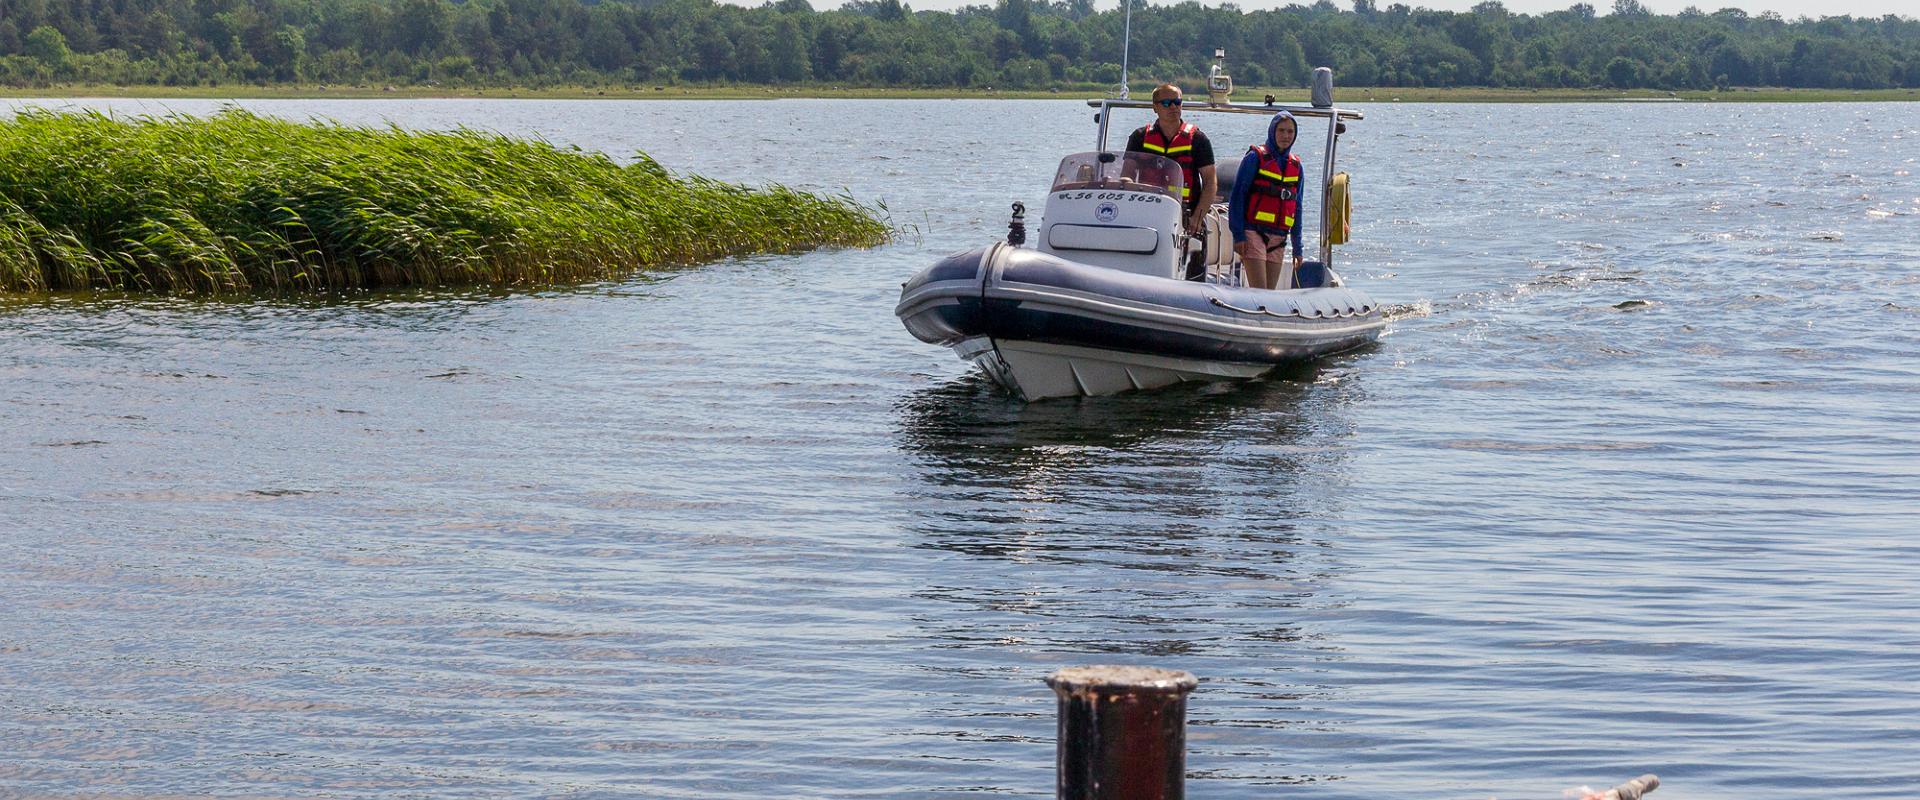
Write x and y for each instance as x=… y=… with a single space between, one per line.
x=1106 y=300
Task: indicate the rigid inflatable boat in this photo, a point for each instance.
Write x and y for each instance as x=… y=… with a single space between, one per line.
x=1114 y=296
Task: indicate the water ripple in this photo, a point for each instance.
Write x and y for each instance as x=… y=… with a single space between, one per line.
x=1626 y=488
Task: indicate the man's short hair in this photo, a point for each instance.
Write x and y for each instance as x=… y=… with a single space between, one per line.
x=1165 y=89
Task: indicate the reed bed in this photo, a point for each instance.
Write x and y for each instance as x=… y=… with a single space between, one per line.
x=241 y=203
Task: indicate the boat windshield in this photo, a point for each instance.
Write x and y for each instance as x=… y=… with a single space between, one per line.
x=1140 y=172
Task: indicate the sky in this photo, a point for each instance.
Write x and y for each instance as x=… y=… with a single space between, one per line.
x=1787 y=8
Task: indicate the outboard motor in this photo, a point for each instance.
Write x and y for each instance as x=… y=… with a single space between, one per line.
x=1017 y=227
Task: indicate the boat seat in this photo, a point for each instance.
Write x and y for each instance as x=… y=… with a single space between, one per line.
x=1310 y=275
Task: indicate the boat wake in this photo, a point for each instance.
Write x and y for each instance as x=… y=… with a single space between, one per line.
x=1398 y=311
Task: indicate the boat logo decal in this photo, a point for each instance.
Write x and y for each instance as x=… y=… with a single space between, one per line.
x=1106 y=212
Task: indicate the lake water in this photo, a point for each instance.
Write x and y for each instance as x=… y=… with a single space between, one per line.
x=1630 y=486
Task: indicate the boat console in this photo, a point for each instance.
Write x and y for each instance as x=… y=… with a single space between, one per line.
x=1116 y=210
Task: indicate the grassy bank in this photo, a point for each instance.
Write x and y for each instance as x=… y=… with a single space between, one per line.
x=1346 y=94
x=237 y=203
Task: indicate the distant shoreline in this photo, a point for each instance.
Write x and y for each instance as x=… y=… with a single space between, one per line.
x=1350 y=95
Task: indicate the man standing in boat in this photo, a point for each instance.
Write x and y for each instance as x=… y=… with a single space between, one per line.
x=1179 y=140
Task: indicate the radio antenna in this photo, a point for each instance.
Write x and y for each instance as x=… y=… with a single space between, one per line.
x=1126 y=45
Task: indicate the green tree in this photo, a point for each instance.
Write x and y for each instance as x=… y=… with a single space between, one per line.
x=1624 y=73
x=751 y=60
x=788 y=49
x=1630 y=8
x=421 y=26
x=48 y=46
x=606 y=47
x=286 y=54
x=1289 y=62
x=713 y=51
x=883 y=10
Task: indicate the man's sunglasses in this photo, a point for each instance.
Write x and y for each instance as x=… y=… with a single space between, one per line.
x=1171 y=102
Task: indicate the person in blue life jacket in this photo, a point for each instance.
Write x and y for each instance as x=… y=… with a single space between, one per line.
x=1264 y=210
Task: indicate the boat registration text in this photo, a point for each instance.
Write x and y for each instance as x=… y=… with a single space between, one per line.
x=1131 y=197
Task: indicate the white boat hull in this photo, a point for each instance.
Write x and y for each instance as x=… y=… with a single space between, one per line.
x=1043 y=326
x=1039 y=370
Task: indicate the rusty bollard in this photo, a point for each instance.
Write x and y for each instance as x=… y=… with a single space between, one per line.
x=1122 y=733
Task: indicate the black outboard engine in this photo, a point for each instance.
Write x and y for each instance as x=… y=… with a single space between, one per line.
x=1017 y=227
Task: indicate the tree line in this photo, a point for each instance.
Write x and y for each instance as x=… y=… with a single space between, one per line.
x=1015 y=44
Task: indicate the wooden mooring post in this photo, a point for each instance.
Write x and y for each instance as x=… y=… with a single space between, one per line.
x=1123 y=733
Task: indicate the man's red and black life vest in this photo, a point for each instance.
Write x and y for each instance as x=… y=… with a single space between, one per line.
x=1179 y=148
x=1274 y=197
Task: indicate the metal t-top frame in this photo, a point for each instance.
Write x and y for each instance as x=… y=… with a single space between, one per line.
x=1332 y=115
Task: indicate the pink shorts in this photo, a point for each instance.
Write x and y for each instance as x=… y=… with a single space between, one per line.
x=1267 y=248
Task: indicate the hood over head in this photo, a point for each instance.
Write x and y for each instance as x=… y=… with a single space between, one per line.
x=1273 y=145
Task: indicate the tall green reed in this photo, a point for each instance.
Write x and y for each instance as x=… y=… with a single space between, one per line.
x=240 y=203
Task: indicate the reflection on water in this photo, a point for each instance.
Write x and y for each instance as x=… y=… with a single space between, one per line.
x=1153 y=464
x=1135 y=480
x=1143 y=528
x=969 y=413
